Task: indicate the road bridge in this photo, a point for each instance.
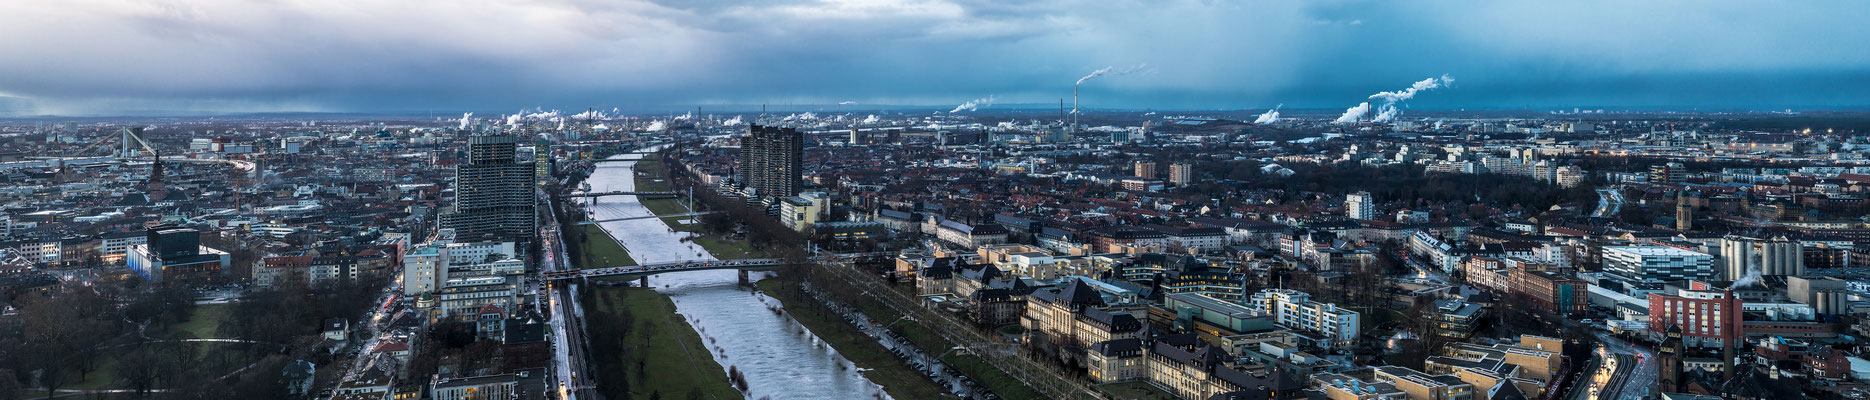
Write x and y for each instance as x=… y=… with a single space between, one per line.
x=756 y=264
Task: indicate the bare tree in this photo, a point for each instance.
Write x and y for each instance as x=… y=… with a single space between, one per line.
x=140 y=369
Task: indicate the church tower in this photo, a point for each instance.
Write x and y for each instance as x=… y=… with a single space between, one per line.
x=1684 y=216
x=155 y=188
x=1669 y=374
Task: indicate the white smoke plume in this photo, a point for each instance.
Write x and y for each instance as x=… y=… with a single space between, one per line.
x=1111 y=71
x=684 y=116
x=589 y=115
x=1270 y=116
x=846 y=103
x=1387 y=111
x=1752 y=278
x=732 y=122
x=973 y=105
x=870 y=119
x=656 y=126
x=466 y=118
x=542 y=115
x=1405 y=94
x=601 y=127
x=561 y=123
x=515 y=119
x=1351 y=115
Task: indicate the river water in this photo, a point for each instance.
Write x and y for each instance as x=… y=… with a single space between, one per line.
x=780 y=359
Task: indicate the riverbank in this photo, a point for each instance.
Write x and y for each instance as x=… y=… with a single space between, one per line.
x=640 y=347
x=917 y=330
x=876 y=361
x=640 y=342
x=772 y=353
x=652 y=176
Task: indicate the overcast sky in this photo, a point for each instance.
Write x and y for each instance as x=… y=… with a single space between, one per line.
x=145 y=57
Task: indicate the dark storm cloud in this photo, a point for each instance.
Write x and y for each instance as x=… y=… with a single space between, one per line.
x=114 y=56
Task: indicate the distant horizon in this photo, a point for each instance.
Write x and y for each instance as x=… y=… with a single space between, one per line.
x=227 y=57
x=931 y=110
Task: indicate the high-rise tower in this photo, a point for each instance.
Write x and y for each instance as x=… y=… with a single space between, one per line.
x=1359 y=206
x=494 y=196
x=1181 y=173
x=769 y=161
x=1145 y=169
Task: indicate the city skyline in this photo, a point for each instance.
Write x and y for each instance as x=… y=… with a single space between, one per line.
x=99 y=58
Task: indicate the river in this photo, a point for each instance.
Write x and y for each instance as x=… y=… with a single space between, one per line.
x=779 y=358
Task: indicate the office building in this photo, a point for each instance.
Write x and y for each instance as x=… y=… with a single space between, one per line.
x=1658 y=263
x=176 y=253
x=802 y=211
x=493 y=194
x=1359 y=206
x=428 y=267
x=1778 y=256
x=1181 y=173
x=1667 y=173
x=769 y=162
x=1705 y=317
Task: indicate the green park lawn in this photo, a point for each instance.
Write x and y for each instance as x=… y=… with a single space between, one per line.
x=1135 y=391
x=675 y=360
x=600 y=250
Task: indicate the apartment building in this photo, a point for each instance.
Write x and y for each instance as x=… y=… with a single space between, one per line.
x=1296 y=310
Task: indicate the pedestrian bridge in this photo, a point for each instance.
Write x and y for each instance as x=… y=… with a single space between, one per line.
x=704 y=265
x=692 y=214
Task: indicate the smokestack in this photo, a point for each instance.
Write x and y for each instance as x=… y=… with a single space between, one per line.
x=1728 y=339
x=1074 y=107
